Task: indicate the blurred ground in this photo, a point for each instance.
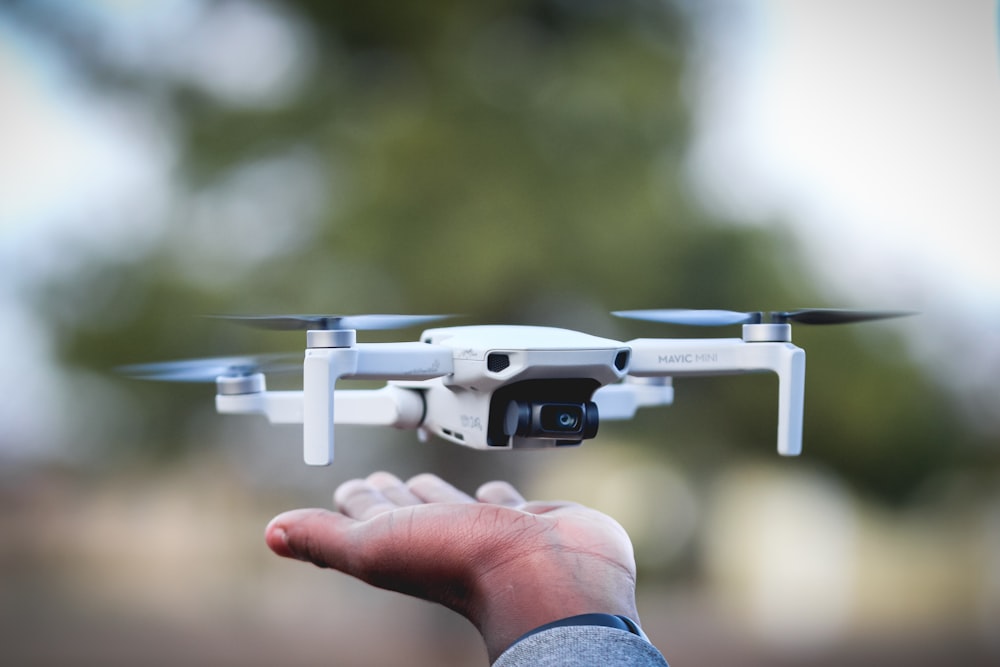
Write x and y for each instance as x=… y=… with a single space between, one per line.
x=171 y=568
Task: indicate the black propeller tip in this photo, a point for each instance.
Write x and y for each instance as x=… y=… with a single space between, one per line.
x=836 y=315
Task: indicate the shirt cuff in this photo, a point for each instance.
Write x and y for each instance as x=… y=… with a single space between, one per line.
x=607 y=620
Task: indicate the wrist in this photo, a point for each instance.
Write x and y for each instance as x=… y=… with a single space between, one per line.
x=513 y=600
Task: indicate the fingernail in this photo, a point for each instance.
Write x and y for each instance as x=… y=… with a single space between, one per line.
x=277 y=539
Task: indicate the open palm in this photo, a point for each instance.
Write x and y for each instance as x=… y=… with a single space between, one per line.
x=505 y=564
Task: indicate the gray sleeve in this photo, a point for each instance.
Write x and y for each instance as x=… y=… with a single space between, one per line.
x=582 y=646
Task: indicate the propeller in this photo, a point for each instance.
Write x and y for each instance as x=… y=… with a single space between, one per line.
x=208 y=369
x=698 y=318
x=836 y=315
x=330 y=322
x=712 y=318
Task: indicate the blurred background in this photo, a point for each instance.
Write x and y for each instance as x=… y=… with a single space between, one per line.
x=516 y=161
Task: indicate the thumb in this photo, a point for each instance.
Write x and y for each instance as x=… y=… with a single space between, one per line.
x=317 y=536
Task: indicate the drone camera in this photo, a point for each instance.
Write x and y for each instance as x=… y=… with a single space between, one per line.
x=558 y=421
x=543 y=413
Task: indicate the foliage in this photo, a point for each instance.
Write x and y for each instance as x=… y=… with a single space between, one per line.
x=514 y=161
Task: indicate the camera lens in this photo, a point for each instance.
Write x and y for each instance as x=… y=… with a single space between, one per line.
x=561 y=423
x=564 y=418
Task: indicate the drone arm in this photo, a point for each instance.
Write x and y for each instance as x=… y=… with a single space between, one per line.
x=280 y=407
x=724 y=356
x=621 y=401
x=789 y=363
x=324 y=366
x=401 y=361
x=388 y=406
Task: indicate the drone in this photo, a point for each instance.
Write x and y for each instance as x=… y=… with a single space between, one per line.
x=499 y=387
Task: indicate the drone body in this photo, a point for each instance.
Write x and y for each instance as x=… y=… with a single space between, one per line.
x=501 y=387
x=515 y=386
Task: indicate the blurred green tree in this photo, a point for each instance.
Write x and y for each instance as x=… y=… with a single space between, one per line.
x=517 y=161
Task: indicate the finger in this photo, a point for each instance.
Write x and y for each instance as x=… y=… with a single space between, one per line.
x=432 y=489
x=546 y=506
x=500 y=493
x=393 y=489
x=360 y=500
x=314 y=535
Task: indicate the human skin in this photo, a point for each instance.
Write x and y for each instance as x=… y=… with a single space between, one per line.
x=506 y=564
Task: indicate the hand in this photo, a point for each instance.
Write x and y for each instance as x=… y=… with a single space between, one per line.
x=507 y=565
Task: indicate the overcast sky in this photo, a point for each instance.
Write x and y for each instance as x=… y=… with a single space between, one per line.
x=873 y=130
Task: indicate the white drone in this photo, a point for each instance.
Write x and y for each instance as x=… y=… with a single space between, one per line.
x=500 y=387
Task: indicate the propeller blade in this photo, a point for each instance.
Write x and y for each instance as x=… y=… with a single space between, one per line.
x=712 y=318
x=835 y=315
x=698 y=318
x=209 y=368
x=331 y=322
